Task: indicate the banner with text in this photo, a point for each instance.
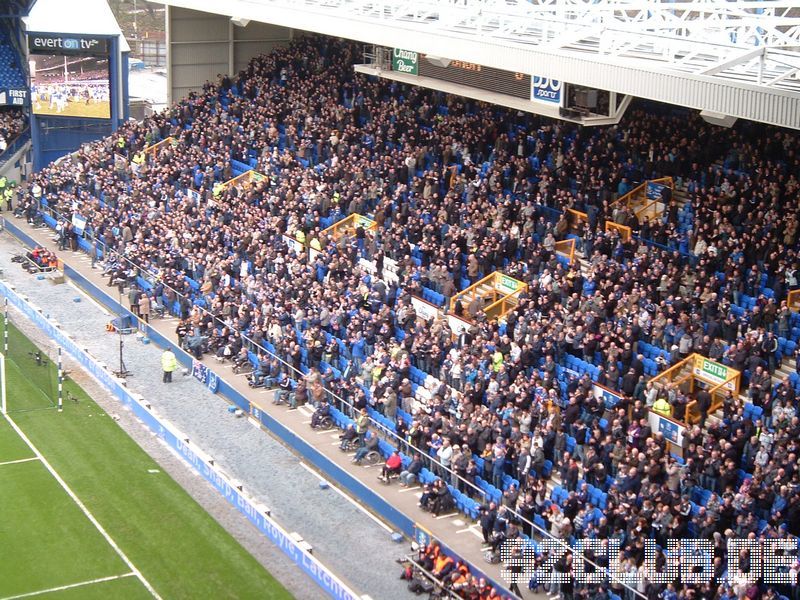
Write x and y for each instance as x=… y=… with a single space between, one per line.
x=405 y=61
x=672 y=430
x=547 y=91
x=714 y=372
x=424 y=310
x=609 y=397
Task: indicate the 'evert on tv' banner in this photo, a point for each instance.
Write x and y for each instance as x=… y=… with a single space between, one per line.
x=66 y=44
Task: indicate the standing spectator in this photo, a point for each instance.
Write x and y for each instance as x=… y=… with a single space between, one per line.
x=168 y=364
x=144 y=308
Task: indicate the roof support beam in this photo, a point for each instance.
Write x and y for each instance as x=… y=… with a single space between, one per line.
x=736 y=60
x=649 y=64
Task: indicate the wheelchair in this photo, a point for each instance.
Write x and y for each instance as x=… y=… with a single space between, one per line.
x=373 y=457
x=349 y=445
x=242 y=367
x=324 y=423
x=253 y=383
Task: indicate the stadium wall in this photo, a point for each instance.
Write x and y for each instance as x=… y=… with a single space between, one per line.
x=54 y=137
x=182 y=445
x=368 y=497
x=201 y=46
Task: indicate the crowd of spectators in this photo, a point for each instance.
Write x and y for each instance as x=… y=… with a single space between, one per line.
x=12 y=122
x=458 y=190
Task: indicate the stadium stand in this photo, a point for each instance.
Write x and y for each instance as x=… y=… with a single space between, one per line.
x=13 y=120
x=503 y=411
x=12 y=74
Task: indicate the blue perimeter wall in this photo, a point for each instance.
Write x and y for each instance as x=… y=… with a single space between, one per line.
x=307 y=563
x=333 y=471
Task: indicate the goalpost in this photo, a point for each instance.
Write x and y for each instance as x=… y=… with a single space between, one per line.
x=49 y=382
x=3 y=407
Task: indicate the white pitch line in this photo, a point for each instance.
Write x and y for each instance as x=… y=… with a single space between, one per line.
x=348 y=498
x=21 y=460
x=70 y=586
x=408 y=489
x=84 y=509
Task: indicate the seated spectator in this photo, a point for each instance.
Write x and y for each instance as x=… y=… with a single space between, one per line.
x=283 y=393
x=409 y=475
x=347 y=437
x=322 y=411
x=370 y=445
x=392 y=466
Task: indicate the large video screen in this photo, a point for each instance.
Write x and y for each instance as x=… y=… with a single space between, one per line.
x=70 y=85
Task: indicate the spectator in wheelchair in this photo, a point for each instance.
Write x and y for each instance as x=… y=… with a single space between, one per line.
x=370 y=445
x=392 y=466
x=323 y=411
x=241 y=360
x=228 y=348
x=348 y=437
x=411 y=472
x=259 y=375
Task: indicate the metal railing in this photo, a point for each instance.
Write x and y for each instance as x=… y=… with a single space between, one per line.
x=438 y=586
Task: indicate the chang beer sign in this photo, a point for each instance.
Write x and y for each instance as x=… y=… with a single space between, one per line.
x=506 y=285
x=714 y=372
x=405 y=61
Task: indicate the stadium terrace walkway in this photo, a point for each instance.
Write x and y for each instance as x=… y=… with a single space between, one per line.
x=453 y=529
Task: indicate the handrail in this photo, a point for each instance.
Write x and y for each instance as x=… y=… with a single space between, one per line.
x=399 y=442
x=639 y=194
x=629 y=195
x=432 y=578
x=648 y=206
x=248 y=177
x=568 y=251
x=793 y=300
x=623 y=230
x=157 y=145
x=468 y=290
x=501 y=302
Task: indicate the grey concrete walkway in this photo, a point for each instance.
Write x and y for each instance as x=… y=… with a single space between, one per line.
x=355 y=546
x=455 y=530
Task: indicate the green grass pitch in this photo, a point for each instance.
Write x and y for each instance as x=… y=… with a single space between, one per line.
x=47 y=542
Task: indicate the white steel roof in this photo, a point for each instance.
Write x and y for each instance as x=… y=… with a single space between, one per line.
x=732 y=57
x=86 y=17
